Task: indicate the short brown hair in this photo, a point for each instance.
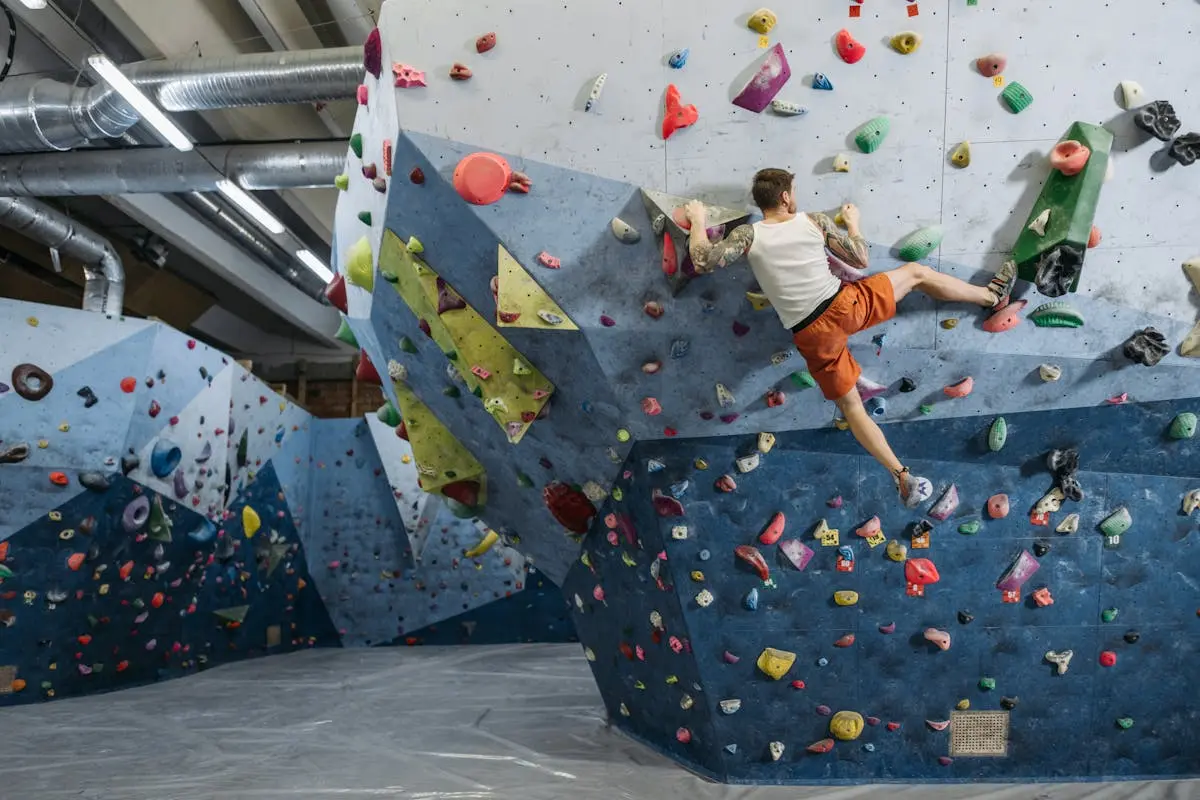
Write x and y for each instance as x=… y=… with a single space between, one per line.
x=769 y=186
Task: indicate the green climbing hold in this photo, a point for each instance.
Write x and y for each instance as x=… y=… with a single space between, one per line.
x=1056 y=314
x=415 y=246
x=1109 y=614
x=804 y=379
x=406 y=344
x=389 y=276
x=871 y=135
x=926 y=408
x=521 y=368
x=158 y=524
x=1183 y=426
x=452 y=355
x=1017 y=97
x=998 y=435
x=364 y=217
x=970 y=527
x=360 y=265
x=451 y=391
x=345 y=334
x=478 y=392
x=388 y=414
x=524 y=481
x=1124 y=723
x=342 y=182
x=920 y=243
x=356 y=144
x=5 y=572
x=987 y=684
x=1116 y=523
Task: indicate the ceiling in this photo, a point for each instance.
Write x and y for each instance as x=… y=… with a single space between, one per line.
x=206 y=285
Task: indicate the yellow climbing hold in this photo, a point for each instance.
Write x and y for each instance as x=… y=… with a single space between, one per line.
x=623 y=435
x=251 y=522
x=758 y=301
x=43 y=444
x=64 y=427
x=846 y=726
x=32 y=321
x=845 y=598
x=961 y=157
x=906 y=42
x=697 y=576
x=484 y=545
x=762 y=21
x=360 y=266
x=775 y=663
x=963 y=704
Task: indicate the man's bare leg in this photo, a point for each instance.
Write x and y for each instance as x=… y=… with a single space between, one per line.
x=939 y=286
x=871 y=437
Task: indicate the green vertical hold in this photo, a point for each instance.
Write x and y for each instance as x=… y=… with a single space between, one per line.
x=406 y=344
x=158 y=524
x=804 y=379
x=388 y=415
x=346 y=334
x=364 y=217
x=998 y=435
x=356 y=144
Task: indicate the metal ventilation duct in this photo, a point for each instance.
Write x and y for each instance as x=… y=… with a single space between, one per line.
x=104 y=287
x=50 y=115
x=303 y=165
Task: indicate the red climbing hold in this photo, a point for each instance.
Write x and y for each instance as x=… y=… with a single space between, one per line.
x=626 y=650
x=823 y=746
x=417 y=176
x=774 y=529
x=464 y=491
x=1108 y=658
x=775 y=398
x=798 y=684
x=1006 y=318
x=569 y=506
x=893 y=726
x=75 y=561
x=460 y=72
x=335 y=292
x=157 y=600
x=365 y=371
x=921 y=571
x=155 y=408
x=402 y=431
x=677 y=115
x=191 y=344
x=683 y=735
x=849 y=48
x=59 y=478
x=128 y=385
x=651 y=406
x=845 y=641
x=997 y=506
x=84 y=640
x=482 y=178
x=485 y=42
x=665 y=505
x=755 y=559
x=670 y=263
x=373 y=53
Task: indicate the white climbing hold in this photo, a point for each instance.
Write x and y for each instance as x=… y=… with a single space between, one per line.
x=730 y=706
x=1039 y=224
x=705 y=598
x=679 y=532
x=597 y=90
x=724 y=396
x=1069 y=525
x=1110 y=169
x=1051 y=502
x=1191 y=501
x=550 y=318
x=786 y=108
x=1061 y=660
x=841 y=163
x=624 y=231
x=765 y=442
x=748 y=463
x=780 y=357
x=776 y=749
x=1132 y=94
x=1050 y=372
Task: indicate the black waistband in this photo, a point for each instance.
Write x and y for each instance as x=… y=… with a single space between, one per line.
x=817 y=312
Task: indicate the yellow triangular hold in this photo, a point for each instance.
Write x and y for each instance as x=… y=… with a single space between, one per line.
x=441 y=458
x=520 y=294
x=250 y=521
x=758 y=301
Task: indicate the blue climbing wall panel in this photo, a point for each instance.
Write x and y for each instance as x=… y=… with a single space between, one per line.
x=894 y=677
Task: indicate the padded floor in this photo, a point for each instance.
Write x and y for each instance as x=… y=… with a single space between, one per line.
x=514 y=721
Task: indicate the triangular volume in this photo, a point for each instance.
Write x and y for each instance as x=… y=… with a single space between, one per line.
x=522 y=303
x=236 y=614
x=442 y=460
x=671 y=207
x=669 y=221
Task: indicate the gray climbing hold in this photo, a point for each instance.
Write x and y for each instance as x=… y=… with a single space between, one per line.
x=14 y=454
x=624 y=231
x=94 y=481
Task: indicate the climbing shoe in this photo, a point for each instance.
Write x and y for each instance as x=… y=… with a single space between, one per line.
x=1001 y=284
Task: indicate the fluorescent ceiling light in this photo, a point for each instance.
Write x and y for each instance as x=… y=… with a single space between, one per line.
x=254 y=209
x=315 y=264
x=34 y=4
x=149 y=112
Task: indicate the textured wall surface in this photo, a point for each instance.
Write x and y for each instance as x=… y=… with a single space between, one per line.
x=526 y=102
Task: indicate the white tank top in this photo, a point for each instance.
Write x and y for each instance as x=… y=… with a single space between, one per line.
x=789 y=261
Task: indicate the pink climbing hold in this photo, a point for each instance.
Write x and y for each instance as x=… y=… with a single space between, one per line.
x=485 y=42
x=835 y=502
x=548 y=261
x=798 y=684
x=766 y=82
x=362 y=94
x=1019 y=571
x=890 y=628
x=670 y=262
x=945 y=761
x=942 y=640
x=775 y=398
x=1070 y=157
x=665 y=505
x=520 y=182
x=740 y=328
x=824 y=710
x=598 y=593
x=991 y=65
x=893 y=726
x=997 y=506
x=677 y=114
x=607 y=321
x=373 y=53
x=849 y=48
x=797 y=553
x=1094 y=237
x=482 y=178
x=873 y=721
x=730 y=658
x=1006 y=318
x=460 y=72
x=726 y=484
x=960 y=389
x=651 y=407
x=407 y=76
x=869 y=528
x=683 y=735
x=1118 y=399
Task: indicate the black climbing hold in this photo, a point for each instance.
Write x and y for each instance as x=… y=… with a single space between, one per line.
x=1058 y=269
x=1146 y=347
x=1185 y=149
x=1040 y=549
x=1008 y=703
x=965 y=618
x=908 y=385
x=89 y=397
x=1132 y=636
x=1157 y=119
x=31 y=382
x=129 y=463
x=14 y=454
x=95 y=481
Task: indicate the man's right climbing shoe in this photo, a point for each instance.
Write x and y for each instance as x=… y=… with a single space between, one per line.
x=1001 y=284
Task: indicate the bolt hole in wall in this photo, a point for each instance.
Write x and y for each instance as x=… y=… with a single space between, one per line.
x=560 y=293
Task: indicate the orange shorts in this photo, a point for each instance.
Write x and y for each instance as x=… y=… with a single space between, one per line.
x=824 y=343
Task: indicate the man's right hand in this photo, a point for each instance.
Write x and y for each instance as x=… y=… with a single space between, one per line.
x=696 y=212
x=850 y=216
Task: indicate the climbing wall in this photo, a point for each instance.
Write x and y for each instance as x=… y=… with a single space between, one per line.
x=511 y=263
x=159 y=507
x=1124 y=606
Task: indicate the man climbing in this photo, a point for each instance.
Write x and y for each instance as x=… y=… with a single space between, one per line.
x=787 y=254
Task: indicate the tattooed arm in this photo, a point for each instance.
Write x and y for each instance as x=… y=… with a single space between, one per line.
x=705 y=255
x=850 y=246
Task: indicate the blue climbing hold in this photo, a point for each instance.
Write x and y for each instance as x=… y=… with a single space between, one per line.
x=679 y=58
x=586 y=405
x=164 y=458
x=654 y=465
x=822 y=662
x=751 y=600
x=204 y=532
x=679 y=348
x=677 y=490
x=846 y=552
x=705 y=555
x=877 y=406
x=820 y=81
x=279 y=434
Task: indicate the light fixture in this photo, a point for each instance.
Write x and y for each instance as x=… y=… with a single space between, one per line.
x=34 y=4
x=254 y=209
x=309 y=260
x=149 y=112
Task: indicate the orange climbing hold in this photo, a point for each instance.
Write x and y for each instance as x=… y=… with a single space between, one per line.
x=1006 y=318
x=85 y=639
x=1094 y=237
x=75 y=561
x=128 y=385
x=845 y=641
x=482 y=178
x=157 y=600
x=823 y=746
x=59 y=478
x=18 y=684
x=960 y=389
x=126 y=570
x=678 y=115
